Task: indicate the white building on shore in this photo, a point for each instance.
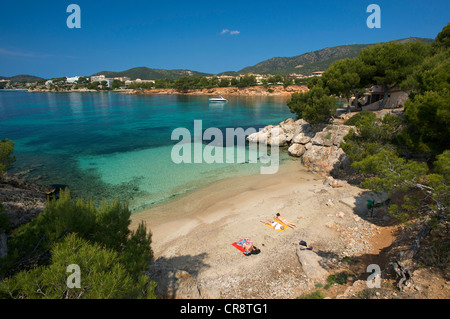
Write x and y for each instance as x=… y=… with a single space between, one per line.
x=97 y=78
x=101 y=78
x=72 y=79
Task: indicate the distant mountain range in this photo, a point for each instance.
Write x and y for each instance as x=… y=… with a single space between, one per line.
x=301 y=64
x=145 y=73
x=310 y=62
x=21 y=78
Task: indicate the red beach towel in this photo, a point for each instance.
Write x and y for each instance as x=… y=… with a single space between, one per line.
x=238 y=247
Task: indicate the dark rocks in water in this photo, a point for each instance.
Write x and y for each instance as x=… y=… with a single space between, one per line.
x=57 y=188
x=22 y=200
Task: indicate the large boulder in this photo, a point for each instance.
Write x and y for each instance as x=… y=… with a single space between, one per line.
x=277 y=136
x=324 y=138
x=340 y=132
x=325 y=159
x=331 y=135
x=261 y=136
x=289 y=127
x=322 y=147
x=296 y=150
x=302 y=138
x=270 y=135
x=310 y=263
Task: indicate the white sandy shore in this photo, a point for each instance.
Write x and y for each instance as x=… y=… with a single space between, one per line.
x=194 y=233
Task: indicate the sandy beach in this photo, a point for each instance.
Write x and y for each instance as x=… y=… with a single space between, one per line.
x=195 y=233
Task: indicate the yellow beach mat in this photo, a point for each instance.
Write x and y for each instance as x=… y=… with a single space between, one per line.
x=277 y=225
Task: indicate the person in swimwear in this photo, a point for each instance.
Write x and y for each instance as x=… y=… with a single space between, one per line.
x=248 y=246
x=274 y=224
x=284 y=221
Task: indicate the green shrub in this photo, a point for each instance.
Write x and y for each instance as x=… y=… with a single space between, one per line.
x=357 y=117
x=111 y=257
x=318 y=294
x=108 y=226
x=314 y=106
x=340 y=278
x=102 y=275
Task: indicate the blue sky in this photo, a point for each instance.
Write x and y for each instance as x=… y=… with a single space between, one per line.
x=118 y=35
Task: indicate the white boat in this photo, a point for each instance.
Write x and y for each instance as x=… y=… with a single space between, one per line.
x=218 y=99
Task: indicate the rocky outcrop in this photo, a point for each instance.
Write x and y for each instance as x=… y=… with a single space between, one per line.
x=21 y=200
x=317 y=145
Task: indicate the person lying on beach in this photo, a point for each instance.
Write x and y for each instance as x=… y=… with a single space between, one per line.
x=274 y=224
x=250 y=249
x=248 y=246
x=284 y=221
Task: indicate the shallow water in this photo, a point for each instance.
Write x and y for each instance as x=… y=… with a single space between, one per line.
x=107 y=145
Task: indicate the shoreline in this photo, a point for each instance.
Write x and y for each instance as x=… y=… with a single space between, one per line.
x=204 y=197
x=276 y=90
x=180 y=195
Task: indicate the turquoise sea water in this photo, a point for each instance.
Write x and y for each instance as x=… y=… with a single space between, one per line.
x=107 y=145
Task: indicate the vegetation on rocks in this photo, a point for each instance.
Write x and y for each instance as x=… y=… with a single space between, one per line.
x=408 y=157
x=112 y=258
x=403 y=155
x=103 y=275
